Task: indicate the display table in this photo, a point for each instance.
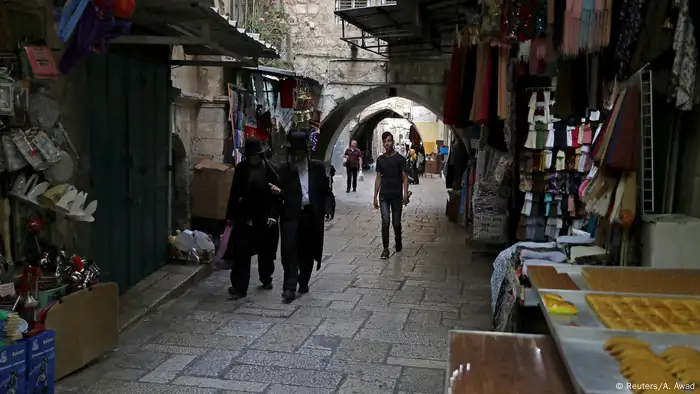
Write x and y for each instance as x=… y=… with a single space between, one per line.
x=493 y=362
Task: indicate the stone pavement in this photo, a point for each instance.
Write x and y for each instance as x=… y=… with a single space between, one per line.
x=368 y=326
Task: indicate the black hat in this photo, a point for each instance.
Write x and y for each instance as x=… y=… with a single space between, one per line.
x=253 y=146
x=297 y=139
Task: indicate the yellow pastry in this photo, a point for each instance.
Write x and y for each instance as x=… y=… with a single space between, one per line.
x=626 y=341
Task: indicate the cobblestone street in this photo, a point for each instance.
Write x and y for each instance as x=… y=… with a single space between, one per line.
x=367 y=326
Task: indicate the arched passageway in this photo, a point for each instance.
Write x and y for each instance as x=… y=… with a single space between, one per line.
x=334 y=123
x=364 y=131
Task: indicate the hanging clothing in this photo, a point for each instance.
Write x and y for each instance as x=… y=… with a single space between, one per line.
x=287 y=87
x=572 y=28
x=631 y=22
x=503 y=96
x=468 y=85
x=654 y=37
x=480 y=107
x=571 y=97
x=683 y=91
x=450 y=107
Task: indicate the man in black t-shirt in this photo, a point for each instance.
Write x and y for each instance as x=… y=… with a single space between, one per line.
x=390 y=191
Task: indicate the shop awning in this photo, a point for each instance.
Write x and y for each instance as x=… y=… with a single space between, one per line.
x=409 y=28
x=198 y=27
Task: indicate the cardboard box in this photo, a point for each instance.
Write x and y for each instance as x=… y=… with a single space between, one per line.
x=41 y=363
x=13 y=368
x=211 y=184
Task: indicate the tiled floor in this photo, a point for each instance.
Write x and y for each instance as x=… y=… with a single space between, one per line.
x=367 y=326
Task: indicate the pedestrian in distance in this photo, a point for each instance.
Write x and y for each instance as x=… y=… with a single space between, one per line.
x=353 y=165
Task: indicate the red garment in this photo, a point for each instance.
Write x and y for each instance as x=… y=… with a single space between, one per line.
x=574 y=137
x=287 y=87
x=450 y=107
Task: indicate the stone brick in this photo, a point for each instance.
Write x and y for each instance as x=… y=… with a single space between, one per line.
x=291 y=376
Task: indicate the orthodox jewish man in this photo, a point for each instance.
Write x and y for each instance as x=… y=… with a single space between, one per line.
x=253 y=207
x=304 y=185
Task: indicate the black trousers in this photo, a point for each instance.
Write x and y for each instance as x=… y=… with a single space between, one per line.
x=352 y=177
x=249 y=241
x=297 y=255
x=391 y=207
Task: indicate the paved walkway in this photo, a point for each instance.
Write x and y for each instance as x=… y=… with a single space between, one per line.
x=368 y=326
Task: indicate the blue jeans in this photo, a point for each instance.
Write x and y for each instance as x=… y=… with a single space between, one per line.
x=393 y=207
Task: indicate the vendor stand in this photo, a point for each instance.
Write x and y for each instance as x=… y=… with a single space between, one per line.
x=617 y=330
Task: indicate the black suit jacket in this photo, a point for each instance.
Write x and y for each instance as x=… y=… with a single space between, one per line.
x=291 y=205
x=244 y=205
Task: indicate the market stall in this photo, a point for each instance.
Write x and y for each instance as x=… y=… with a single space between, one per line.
x=617 y=329
x=53 y=306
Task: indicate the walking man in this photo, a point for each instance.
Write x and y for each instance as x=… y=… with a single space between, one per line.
x=253 y=214
x=353 y=164
x=390 y=191
x=304 y=189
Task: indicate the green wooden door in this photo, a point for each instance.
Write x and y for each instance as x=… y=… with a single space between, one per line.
x=129 y=132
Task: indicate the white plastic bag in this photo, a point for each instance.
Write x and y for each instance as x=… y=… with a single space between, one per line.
x=197 y=245
x=360 y=176
x=204 y=243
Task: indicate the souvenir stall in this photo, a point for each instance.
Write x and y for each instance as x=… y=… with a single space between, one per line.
x=50 y=294
x=584 y=110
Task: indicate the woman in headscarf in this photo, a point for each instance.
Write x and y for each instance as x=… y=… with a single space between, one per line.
x=253 y=214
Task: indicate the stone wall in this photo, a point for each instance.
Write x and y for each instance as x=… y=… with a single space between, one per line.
x=352 y=78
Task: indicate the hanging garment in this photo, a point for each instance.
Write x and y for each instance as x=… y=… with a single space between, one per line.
x=682 y=89
x=631 y=22
x=450 y=107
x=503 y=97
x=572 y=28
x=468 y=84
x=287 y=87
x=623 y=151
x=585 y=42
x=480 y=80
x=654 y=37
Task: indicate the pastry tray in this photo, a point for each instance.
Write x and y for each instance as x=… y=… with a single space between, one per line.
x=593 y=370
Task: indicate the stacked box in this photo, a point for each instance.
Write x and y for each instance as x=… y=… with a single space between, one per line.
x=13 y=368
x=41 y=363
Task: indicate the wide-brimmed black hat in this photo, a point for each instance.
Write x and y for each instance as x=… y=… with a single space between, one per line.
x=298 y=140
x=253 y=146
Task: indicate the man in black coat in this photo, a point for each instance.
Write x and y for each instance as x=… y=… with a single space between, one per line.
x=253 y=213
x=305 y=186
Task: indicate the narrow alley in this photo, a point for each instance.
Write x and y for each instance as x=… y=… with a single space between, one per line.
x=367 y=326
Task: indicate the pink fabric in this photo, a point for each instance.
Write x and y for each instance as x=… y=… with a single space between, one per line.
x=219 y=261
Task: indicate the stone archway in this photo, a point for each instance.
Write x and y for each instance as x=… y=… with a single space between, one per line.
x=334 y=123
x=180 y=202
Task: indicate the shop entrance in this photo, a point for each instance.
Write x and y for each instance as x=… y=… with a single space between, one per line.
x=128 y=111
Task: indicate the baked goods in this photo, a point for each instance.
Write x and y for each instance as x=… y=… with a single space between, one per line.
x=637 y=313
x=640 y=280
x=675 y=370
x=557 y=305
x=546 y=277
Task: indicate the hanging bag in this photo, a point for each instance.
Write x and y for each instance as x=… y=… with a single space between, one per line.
x=219 y=261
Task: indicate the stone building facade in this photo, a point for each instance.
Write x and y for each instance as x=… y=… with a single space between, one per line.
x=353 y=79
